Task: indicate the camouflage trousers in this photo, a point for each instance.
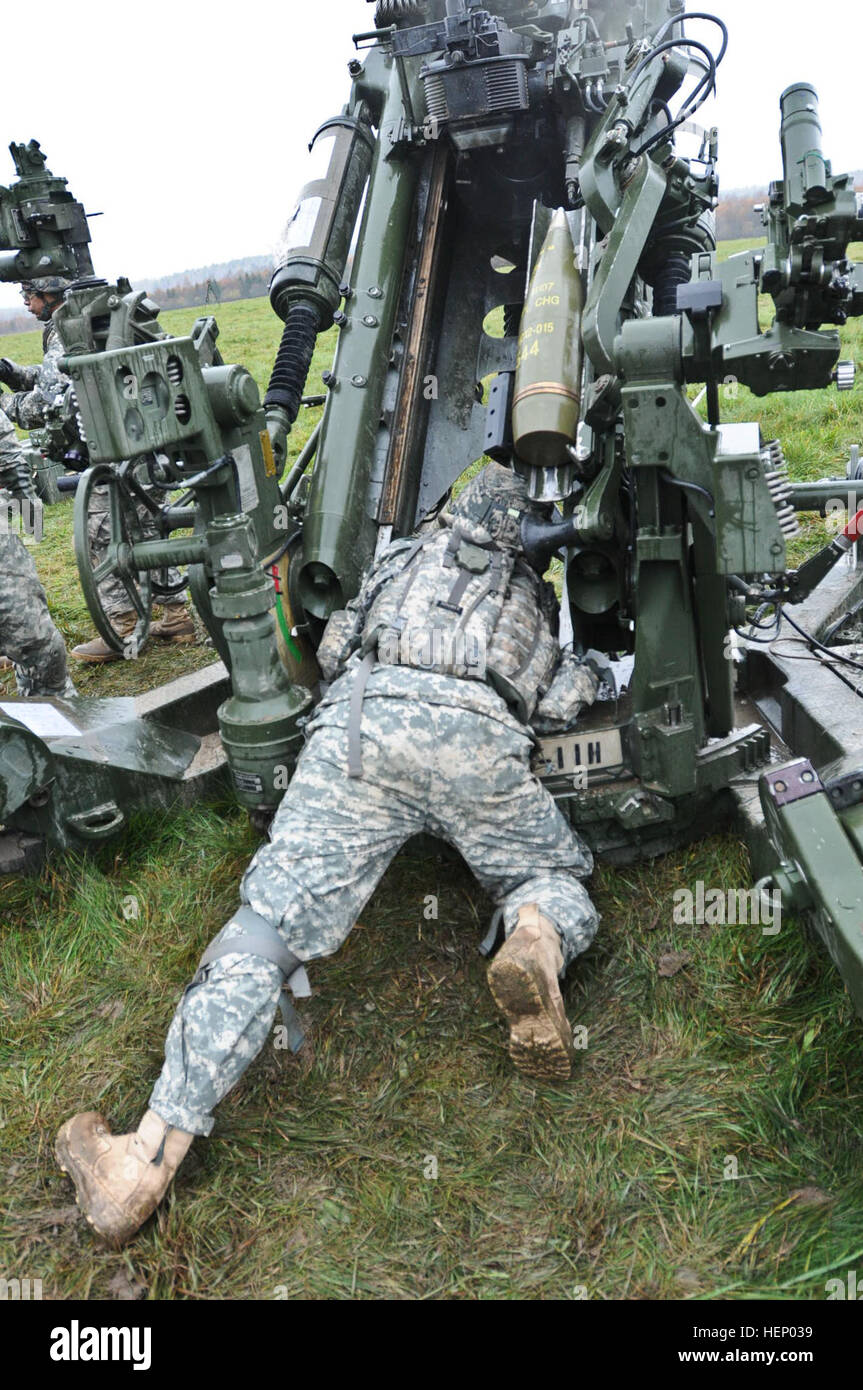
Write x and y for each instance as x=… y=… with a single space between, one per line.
x=15 y=472
x=115 y=599
x=452 y=772
x=27 y=633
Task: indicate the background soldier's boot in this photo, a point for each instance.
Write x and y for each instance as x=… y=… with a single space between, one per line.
x=176 y=626
x=98 y=651
x=523 y=978
x=120 y=1179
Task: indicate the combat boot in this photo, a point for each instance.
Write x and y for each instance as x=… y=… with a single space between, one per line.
x=120 y=1179
x=523 y=978
x=97 y=651
x=176 y=626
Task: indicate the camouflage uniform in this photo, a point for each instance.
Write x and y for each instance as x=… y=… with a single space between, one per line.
x=27 y=634
x=439 y=753
x=38 y=387
x=15 y=473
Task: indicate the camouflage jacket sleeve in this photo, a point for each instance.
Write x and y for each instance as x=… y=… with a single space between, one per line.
x=21 y=378
x=573 y=688
x=26 y=408
x=343 y=633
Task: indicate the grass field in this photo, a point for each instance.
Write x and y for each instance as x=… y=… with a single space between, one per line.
x=710 y=1143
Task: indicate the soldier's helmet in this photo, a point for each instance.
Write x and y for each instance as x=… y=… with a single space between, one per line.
x=48 y=284
x=492 y=506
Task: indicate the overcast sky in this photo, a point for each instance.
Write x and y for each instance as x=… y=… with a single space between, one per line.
x=187 y=123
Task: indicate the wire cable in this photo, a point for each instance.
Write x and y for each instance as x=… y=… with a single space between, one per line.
x=705 y=87
x=700 y=93
x=819 y=646
x=696 y=14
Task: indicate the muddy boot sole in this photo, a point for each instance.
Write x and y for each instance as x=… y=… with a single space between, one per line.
x=67 y=1164
x=540 y=1039
x=88 y=1193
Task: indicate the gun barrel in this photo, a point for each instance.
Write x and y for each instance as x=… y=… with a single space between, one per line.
x=10 y=265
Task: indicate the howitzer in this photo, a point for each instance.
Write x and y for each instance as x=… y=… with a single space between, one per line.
x=534 y=277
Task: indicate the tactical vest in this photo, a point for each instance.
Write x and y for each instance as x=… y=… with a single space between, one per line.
x=462 y=608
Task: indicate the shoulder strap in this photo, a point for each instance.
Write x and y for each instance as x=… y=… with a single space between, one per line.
x=355 y=715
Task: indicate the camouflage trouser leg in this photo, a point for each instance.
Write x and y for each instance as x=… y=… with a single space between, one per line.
x=15 y=472
x=115 y=599
x=456 y=774
x=27 y=633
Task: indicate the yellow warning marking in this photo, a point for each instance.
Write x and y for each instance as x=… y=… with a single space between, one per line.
x=267 y=451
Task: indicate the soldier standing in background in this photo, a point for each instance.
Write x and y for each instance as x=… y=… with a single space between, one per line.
x=36 y=388
x=15 y=474
x=29 y=638
x=441 y=669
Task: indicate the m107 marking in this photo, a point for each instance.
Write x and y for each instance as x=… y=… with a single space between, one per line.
x=582 y=753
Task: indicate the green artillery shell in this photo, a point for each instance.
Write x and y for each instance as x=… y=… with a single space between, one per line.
x=547 y=396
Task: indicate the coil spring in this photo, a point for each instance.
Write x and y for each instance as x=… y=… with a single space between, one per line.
x=776 y=476
x=402 y=12
x=174 y=371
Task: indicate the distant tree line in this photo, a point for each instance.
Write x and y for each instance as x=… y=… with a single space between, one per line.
x=736 y=217
x=191 y=294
